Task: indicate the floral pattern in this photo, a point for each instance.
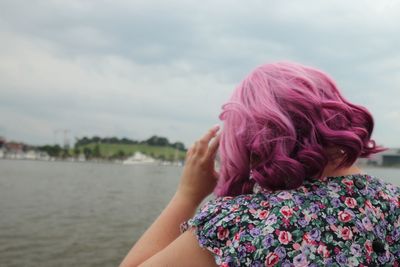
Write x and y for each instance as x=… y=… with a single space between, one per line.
x=330 y=222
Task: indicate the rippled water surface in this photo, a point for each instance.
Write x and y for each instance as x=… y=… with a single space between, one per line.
x=77 y=214
x=83 y=214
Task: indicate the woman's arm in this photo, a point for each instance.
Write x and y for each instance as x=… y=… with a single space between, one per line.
x=162 y=232
x=198 y=181
x=182 y=252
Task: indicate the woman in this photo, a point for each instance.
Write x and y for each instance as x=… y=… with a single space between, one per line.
x=288 y=191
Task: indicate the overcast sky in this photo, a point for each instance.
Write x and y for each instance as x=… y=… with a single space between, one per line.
x=138 y=68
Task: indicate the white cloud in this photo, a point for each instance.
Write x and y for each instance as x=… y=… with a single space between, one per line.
x=138 y=68
x=105 y=95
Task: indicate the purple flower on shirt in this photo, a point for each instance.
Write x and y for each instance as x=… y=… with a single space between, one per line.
x=253 y=205
x=302 y=222
x=359 y=226
x=274 y=200
x=355 y=249
x=314 y=208
x=300 y=260
x=392 y=207
x=298 y=199
x=378 y=230
x=281 y=252
x=334 y=187
x=255 y=232
x=335 y=202
x=267 y=242
x=396 y=234
x=331 y=219
x=321 y=192
x=366 y=222
x=383 y=258
x=315 y=234
x=341 y=259
x=383 y=223
x=272 y=219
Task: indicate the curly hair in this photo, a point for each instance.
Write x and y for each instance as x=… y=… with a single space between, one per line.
x=280 y=124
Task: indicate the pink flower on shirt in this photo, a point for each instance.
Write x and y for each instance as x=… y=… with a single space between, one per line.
x=284 y=237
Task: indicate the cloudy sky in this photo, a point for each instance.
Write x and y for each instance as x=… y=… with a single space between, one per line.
x=138 y=68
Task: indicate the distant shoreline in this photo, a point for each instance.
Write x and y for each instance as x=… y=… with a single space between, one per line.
x=156 y=163
x=110 y=162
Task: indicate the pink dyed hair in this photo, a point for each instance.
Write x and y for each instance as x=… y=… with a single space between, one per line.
x=281 y=122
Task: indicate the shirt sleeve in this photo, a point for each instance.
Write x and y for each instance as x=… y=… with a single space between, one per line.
x=216 y=227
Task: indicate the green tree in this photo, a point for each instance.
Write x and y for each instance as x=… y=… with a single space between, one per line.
x=96 y=139
x=87 y=152
x=83 y=141
x=157 y=141
x=52 y=151
x=96 y=152
x=65 y=153
x=179 y=145
x=121 y=154
x=77 y=151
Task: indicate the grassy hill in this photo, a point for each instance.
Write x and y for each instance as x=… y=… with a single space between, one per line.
x=159 y=152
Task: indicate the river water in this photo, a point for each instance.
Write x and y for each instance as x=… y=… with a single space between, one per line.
x=84 y=214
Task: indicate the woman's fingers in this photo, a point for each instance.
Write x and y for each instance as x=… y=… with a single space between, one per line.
x=213 y=148
x=189 y=152
x=201 y=146
x=209 y=135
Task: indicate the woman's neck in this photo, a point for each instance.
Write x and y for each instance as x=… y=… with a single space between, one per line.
x=337 y=155
x=331 y=171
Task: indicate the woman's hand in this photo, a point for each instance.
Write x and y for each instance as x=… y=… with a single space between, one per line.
x=199 y=177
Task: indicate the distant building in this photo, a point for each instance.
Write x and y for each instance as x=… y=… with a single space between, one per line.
x=392 y=158
x=2 y=141
x=14 y=147
x=14 y=150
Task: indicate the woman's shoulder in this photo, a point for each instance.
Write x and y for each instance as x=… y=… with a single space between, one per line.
x=326 y=189
x=325 y=192
x=353 y=195
x=268 y=226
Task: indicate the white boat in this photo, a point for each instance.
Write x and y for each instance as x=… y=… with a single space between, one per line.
x=139 y=158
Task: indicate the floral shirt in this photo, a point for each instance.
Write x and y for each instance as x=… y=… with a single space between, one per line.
x=337 y=221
